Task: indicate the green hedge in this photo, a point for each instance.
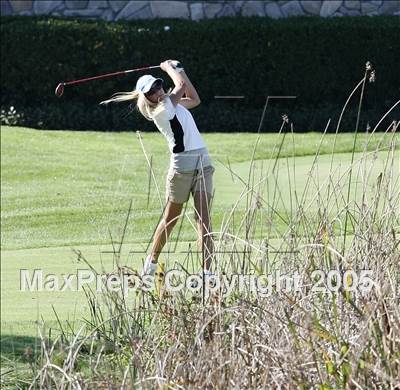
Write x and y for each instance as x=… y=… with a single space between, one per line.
x=318 y=60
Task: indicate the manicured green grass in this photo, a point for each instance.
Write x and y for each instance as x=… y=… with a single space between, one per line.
x=64 y=190
x=67 y=188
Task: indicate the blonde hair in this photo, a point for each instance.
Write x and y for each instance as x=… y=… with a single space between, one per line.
x=144 y=105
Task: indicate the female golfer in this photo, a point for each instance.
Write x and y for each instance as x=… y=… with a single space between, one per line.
x=191 y=169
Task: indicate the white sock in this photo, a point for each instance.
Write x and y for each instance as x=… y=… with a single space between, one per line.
x=151 y=259
x=149 y=267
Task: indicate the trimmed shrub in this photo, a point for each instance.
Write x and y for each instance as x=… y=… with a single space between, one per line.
x=318 y=60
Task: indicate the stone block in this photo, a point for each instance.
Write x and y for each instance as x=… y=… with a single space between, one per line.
x=143 y=13
x=253 y=8
x=29 y=13
x=94 y=4
x=273 y=11
x=227 y=10
x=312 y=7
x=353 y=12
x=212 y=9
x=170 y=9
x=329 y=7
x=237 y=5
x=390 y=7
x=367 y=7
x=108 y=15
x=292 y=8
x=76 y=4
x=130 y=9
x=6 y=8
x=196 y=11
x=45 y=7
x=84 y=13
x=117 y=5
x=21 y=5
x=352 y=4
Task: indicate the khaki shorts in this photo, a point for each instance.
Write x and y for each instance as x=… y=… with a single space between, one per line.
x=181 y=184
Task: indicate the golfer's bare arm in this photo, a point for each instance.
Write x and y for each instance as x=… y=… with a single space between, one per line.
x=191 y=98
x=178 y=92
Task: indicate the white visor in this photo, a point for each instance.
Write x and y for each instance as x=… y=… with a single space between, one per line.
x=145 y=82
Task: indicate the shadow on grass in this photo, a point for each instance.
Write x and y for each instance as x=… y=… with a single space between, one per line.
x=18 y=347
x=18 y=358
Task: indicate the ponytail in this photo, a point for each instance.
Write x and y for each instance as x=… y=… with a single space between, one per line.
x=144 y=105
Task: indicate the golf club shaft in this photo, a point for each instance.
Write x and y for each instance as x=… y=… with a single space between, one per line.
x=103 y=76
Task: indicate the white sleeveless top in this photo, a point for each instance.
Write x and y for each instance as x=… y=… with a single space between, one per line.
x=178 y=127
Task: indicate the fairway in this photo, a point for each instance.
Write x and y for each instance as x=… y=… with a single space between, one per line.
x=65 y=191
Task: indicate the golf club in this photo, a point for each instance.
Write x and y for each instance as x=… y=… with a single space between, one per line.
x=60 y=87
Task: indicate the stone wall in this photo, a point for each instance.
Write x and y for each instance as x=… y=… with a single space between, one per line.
x=195 y=10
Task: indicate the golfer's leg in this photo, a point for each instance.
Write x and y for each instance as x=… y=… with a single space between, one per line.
x=164 y=228
x=202 y=213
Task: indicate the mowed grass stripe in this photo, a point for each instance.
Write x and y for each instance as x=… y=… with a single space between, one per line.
x=63 y=188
